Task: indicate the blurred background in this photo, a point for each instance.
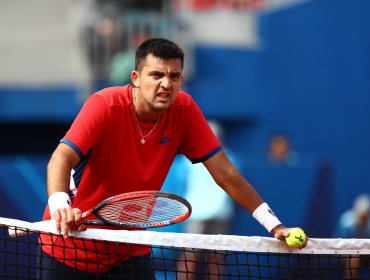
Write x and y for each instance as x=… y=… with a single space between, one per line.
x=287 y=79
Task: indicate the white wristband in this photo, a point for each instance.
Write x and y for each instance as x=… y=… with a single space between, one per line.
x=58 y=200
x=266 y=217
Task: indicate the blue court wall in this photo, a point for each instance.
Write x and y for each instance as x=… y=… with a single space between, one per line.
x=309 y=79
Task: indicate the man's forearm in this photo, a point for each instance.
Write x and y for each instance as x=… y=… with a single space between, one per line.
x=58 y=176
x=59 y=169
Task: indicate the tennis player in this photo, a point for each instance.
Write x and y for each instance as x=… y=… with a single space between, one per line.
x=125 y=139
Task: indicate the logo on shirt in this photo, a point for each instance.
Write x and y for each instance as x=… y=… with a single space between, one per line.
x=164 y=140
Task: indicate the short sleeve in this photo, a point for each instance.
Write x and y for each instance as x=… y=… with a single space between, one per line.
x=199 y=142
x=89 y=124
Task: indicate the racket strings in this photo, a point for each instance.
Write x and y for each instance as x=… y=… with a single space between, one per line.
x=144 y=210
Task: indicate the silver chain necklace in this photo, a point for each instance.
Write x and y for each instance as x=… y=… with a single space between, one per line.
x=142 y=141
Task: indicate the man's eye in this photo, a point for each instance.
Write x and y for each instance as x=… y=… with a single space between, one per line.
x=157 y=75
x=175 y=77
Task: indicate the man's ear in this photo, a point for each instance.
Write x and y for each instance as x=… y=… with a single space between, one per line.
x=135 y=78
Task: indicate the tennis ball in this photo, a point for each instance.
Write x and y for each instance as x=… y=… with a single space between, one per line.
x=296 y=238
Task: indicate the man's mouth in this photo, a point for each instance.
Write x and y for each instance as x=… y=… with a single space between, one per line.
x=163 y=97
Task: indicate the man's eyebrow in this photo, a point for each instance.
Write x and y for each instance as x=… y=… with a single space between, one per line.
x=162 y=72
x=156 y=72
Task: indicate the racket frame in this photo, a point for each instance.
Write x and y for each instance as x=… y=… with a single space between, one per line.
x=135 y=225
x=20 y=231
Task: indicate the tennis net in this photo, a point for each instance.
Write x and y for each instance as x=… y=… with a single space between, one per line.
x=176 y=255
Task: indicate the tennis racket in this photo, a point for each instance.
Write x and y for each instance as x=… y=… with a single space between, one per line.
x=135 y=210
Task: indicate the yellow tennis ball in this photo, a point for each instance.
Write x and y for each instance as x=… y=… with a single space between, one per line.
x=296 y=238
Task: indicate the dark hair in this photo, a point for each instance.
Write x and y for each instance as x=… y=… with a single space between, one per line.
x=160 y=48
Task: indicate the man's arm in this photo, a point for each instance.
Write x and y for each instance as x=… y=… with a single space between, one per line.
x=59 y=169
x=227 y=176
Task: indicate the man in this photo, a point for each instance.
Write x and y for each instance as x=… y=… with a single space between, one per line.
x=355 y=223
x=125 y=139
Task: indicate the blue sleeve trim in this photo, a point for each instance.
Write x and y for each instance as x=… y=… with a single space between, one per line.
x=73 y=146
x=208 y=156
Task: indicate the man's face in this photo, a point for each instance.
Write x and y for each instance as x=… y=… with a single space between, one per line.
x=159 y=82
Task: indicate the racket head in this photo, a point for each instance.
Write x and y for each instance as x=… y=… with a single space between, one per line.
x=141 y=210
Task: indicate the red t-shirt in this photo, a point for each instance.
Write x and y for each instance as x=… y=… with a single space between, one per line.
x=113 y=160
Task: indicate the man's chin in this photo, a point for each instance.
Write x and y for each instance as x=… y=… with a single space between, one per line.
x=162 y=106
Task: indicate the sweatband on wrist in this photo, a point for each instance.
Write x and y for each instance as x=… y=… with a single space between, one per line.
x=58 y=200
x=266 y=217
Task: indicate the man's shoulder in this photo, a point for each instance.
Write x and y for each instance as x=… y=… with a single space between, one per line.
x=114 y=90
x=115 y=95
x=183 y=99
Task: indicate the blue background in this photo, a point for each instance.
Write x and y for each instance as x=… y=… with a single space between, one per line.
x=309 y=79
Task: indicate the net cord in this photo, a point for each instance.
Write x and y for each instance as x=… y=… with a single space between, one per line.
x=202 y=241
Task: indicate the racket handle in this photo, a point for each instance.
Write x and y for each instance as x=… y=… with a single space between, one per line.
x=86 y=214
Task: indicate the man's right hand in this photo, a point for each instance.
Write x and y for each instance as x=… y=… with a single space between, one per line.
x=68 y=220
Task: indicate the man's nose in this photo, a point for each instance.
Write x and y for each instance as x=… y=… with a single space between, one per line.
x=166 y=82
